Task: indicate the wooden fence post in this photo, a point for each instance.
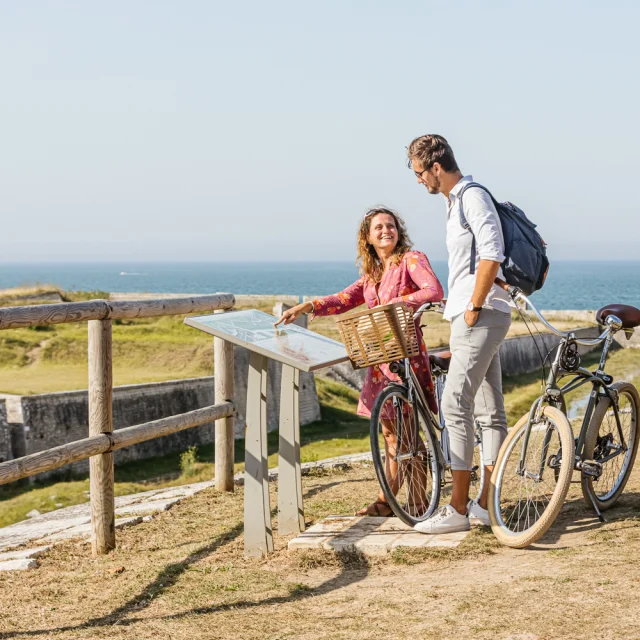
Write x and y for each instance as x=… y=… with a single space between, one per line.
x=103 y=538
x=224 y=436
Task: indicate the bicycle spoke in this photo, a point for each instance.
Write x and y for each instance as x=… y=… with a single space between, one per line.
x=614 y=469
x=407 y=458
x=525 y=495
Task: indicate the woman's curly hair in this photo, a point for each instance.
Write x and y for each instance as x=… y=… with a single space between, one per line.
x=367 y=261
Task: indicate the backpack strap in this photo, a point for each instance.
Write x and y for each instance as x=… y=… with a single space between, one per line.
x=465 y=224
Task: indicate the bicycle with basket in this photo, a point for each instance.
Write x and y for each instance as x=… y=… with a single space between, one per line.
x=409 y=444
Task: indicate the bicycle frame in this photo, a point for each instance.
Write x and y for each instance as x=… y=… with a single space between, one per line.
x=555 y=395
x=411 y=386
x=415 y=395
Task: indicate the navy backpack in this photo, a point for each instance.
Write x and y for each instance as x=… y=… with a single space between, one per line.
x=525 y=264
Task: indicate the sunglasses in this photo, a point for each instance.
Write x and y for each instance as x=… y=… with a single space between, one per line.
x=373 y=212
x=418 y=174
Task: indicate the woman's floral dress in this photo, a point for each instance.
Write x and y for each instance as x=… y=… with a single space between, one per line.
x=411 y=281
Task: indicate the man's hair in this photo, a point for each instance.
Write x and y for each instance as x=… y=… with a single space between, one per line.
x=430 y=149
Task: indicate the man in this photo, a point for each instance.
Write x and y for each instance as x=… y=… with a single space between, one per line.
x=480 y=317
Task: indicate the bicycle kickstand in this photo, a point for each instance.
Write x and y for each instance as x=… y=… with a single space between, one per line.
x=595 y=508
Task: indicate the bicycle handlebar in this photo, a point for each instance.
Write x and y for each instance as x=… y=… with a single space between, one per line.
x=516 y=294
x=438 y=307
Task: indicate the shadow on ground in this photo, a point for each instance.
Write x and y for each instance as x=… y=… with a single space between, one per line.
x=353 y=569
x=576 y=517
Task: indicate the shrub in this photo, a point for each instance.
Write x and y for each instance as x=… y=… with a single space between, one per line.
x=81 y=296
x=189 y=462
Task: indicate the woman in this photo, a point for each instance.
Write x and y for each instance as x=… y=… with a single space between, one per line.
x=390 y=272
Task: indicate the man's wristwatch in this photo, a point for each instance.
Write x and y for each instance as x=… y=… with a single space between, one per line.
x=470 y=307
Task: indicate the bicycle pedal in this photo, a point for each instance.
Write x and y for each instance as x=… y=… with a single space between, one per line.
x=591 y=468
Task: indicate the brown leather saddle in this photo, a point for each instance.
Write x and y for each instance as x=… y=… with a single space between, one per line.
x=441 y=360
x=629 y=316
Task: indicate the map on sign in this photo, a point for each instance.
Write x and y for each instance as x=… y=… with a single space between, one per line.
x=290 y=344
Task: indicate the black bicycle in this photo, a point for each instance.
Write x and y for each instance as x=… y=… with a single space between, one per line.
x=537 y=459
x=409 y=444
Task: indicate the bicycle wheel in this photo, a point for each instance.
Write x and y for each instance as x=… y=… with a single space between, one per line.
x=603 y=440
x=524 y=499
x=404 y=456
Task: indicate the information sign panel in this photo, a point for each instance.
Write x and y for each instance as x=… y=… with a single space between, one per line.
x=290 y=344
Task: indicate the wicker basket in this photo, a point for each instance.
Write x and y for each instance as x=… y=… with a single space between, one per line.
x=382 y=334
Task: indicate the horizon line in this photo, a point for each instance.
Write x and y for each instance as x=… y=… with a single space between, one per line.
x=263 y=261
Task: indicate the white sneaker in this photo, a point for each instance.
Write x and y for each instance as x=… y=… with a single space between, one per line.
x=477 y=515
x=444 y=520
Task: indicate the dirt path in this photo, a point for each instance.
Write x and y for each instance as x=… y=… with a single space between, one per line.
x=35 y=355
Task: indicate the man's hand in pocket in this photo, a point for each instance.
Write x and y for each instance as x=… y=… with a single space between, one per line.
x=471 y=317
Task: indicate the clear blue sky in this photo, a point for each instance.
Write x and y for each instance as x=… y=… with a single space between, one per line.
x=199 y=130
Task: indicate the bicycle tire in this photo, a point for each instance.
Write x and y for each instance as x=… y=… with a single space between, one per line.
x=429 y=463
x=554 y=419
x=590 y=492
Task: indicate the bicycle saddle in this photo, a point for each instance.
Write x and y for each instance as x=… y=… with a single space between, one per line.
x=630 y=316
x=442 y=360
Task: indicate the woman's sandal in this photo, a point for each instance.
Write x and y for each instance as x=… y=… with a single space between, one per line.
x=374 y=510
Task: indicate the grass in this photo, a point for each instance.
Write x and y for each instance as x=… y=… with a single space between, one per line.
x=479 y=542
x=16 y=502
x=183 y=575
x=52 y=358
x=339 y=432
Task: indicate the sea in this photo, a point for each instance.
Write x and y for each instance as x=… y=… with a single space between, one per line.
x=570 y=284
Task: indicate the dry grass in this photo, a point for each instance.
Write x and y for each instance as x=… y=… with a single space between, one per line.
x=183 y=575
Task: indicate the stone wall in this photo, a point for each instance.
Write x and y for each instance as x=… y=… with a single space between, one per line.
x=49 y=420
x=521 y=354
x=632 y=342
x=53 y=419
x=6 y=450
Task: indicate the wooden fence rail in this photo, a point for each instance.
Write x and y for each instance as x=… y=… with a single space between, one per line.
x=55 y=457
x=41 y=314
x=103 y=440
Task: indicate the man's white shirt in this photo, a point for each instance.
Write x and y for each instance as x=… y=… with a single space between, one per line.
x=483 y=219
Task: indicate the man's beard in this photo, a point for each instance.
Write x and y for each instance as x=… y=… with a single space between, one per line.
x=436 y=187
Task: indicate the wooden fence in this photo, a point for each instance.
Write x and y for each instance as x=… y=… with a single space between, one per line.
x=102 y=440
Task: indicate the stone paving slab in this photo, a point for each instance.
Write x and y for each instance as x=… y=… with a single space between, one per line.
x=84 y=530
x=147 y=508
x=21 y=554
x=368 y=535
x=18 y=565
x=22 y=559
x=72 y=522
x=24 y=532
